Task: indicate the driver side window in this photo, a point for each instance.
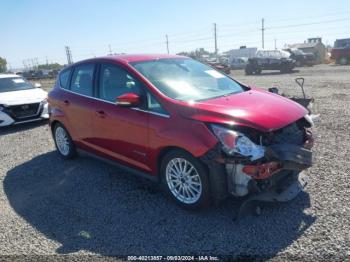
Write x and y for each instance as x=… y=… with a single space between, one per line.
x=116 y=81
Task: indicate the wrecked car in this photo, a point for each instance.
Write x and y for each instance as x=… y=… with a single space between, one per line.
x=220 y=67
x=301 y=58
x=199 y=133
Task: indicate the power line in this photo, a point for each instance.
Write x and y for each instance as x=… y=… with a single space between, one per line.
x=311 y=17
x=306 y=24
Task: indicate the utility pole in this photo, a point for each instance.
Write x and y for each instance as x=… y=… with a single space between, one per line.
x=275 y=43
x=69 y=55
x=47 y=61
x=33 y=63
x=110 y=50
x=262 y=33
x=215 y=39
x=167 y=43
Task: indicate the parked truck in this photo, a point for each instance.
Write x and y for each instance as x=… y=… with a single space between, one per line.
x=270 y=60
x=341 y=51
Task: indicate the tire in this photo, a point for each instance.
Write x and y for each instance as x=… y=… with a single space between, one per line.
x=343 y=61
x=190 y=191
x=248 y=70
x=285 y=69
x=298 y=64
x=63 y=142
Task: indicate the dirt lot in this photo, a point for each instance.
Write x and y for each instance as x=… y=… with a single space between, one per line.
x=52 y=206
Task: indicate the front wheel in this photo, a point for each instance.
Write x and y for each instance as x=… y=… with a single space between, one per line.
x=185 y=180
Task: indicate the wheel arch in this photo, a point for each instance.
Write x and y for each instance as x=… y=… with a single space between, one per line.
x=54 y=123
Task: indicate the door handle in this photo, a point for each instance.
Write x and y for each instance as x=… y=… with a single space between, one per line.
x=66 y=102
x=101 y=113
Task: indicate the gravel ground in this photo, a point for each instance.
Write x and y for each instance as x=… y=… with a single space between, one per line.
x=50 y=206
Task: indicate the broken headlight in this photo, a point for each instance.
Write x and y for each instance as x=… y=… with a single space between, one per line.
x=235 y=142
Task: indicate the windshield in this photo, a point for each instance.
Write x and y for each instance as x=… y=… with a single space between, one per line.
x=344 y=43
x=9 y=84
x=186 y=79
x=298 y=52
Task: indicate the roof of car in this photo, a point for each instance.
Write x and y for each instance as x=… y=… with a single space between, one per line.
x=8 y=75
x=127 y=58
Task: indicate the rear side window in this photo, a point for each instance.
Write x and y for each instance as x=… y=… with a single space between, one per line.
x=64 y=78
x=82 y=79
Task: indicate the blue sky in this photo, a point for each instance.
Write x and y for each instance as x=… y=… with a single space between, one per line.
x=41 y=28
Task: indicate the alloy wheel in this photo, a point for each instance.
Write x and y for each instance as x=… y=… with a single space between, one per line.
x=183 y=180
x=62 y=141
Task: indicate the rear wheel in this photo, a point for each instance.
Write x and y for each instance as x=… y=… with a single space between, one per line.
x=185 y=180
x=249 y=70
x=63 y=142
x=285 y=69
x=258 y=71
x=343 y=61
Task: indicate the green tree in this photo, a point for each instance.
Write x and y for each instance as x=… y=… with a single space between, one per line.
x=3 y=64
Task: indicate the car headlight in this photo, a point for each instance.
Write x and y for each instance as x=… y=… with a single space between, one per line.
x=235 y=142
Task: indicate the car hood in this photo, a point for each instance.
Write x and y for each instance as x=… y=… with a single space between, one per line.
x=255 y=108
x=28 y=96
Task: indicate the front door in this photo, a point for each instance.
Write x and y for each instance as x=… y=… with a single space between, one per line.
x=120 y=133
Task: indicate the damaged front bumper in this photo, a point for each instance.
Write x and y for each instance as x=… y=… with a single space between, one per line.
x=291 y=190
x=280 y=177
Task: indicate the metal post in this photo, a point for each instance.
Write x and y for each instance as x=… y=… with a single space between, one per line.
x=215 y=39
x=167 y=43
x=262 y=33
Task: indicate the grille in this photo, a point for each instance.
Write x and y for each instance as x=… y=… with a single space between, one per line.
x=23 y=111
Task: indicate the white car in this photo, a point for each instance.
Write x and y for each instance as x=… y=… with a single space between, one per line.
x=20 y=101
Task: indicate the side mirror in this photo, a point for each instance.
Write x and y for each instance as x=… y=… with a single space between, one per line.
x=128 y=99
x=37 y=85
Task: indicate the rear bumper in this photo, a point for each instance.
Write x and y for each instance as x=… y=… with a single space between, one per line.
x=7 y=120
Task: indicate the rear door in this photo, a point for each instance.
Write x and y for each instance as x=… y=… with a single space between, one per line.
x=119 y=132
x=78 y=102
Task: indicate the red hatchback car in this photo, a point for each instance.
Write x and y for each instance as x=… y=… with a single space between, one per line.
x=200 y=133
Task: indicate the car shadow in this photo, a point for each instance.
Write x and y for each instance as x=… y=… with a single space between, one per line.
x=85 y=204
x=6 y=130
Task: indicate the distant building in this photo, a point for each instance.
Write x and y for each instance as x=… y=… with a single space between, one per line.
x=315 y=46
